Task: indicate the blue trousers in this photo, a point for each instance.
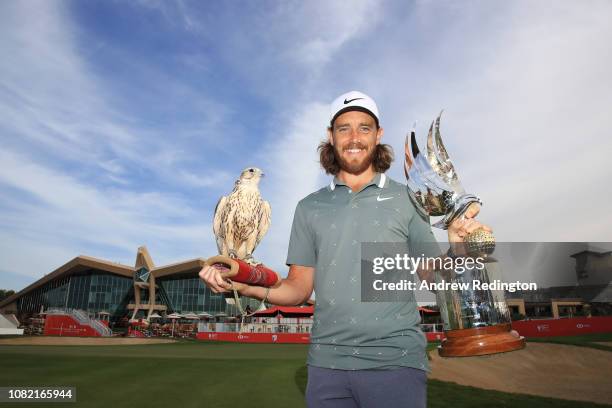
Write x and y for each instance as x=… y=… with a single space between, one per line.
x=401 y=387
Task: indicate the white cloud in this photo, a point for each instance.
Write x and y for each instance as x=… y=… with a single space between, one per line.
x=53 y=105
x=216 y=178
x=80 y=176
x=47 y=95
x=524 y=92
x=59 y=213
x=331 y=25
x=174 y=12
x=292 y=172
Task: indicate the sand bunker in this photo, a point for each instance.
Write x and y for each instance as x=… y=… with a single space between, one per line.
x=80 y=341
x=549 y=370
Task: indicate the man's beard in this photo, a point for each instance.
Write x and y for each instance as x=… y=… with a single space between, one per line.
x=354 y=167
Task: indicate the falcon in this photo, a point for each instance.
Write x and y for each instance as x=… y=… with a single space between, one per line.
x=242 y=218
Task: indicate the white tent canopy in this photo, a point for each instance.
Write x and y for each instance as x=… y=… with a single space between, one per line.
x=8 y=325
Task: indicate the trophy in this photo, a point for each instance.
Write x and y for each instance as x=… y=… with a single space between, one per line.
x=476 y=322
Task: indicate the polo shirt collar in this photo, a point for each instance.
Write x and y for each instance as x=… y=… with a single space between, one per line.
x=379 y=180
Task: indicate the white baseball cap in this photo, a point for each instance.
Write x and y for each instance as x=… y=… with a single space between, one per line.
x=351 y=101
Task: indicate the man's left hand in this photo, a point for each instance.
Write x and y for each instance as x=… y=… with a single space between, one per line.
x=466 y=224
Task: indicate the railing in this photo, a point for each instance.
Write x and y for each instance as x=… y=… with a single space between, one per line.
x=275 y=327
x=272 y=327
x=79 y=315
x=101 y=328
x=432 y=328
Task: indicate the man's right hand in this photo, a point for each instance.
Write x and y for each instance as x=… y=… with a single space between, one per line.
x=212 y=278
x=294 y=290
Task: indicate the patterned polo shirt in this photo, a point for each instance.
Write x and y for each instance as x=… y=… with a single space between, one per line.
x=328 y=228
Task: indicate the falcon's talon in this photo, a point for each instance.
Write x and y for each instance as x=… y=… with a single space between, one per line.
x=252 y=261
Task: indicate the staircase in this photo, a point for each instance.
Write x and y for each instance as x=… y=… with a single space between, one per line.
x=84 y=320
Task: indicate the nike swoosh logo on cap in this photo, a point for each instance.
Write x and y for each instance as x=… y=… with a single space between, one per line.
x=347 y=101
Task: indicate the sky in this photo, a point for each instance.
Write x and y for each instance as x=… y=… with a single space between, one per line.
x=122 y=123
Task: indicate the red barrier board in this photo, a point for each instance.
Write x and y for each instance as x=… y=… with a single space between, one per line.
x=527 y=328
x=563 y=327
x=434 y=336
x=302 y=338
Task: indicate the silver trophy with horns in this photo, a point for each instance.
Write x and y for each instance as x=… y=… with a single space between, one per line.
x=476 y=322
x=434 y=186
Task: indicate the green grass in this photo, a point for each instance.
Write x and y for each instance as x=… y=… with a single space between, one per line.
x=433 y=345
x=199 y=374
x=186 y=374
x=587 y=340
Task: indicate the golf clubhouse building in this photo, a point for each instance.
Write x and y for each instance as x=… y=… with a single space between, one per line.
x=101 y=296
x=112 y=291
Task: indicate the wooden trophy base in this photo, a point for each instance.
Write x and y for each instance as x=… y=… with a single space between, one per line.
x=480 y=341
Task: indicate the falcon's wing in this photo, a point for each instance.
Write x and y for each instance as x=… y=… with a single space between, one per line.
x=219 y=208
x=264 y=221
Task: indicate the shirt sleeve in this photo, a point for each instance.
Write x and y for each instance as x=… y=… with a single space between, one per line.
x=421 y=239
x=302 y=249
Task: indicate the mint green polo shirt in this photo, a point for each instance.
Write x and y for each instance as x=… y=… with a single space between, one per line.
x=328 y=228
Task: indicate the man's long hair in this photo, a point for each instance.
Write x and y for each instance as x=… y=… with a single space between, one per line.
x=381 y=158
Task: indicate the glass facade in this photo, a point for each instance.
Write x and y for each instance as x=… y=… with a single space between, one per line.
x=187 y=293
x=53 y=294
x=92 y=291
x=79 y=291
x=110 y=293
x=96 y=291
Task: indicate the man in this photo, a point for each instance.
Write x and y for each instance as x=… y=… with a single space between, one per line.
x=362 y=354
